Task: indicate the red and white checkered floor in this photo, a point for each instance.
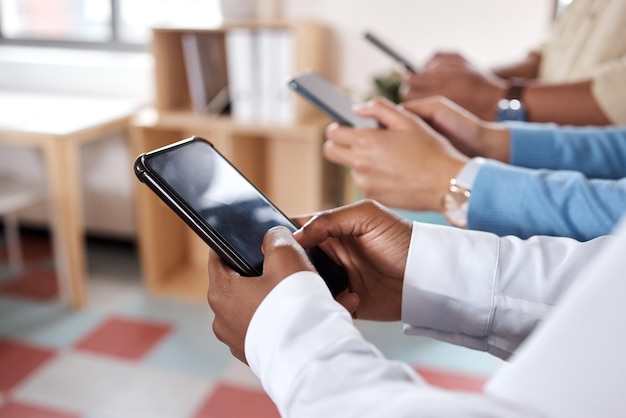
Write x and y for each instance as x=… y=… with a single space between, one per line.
x=129 y=354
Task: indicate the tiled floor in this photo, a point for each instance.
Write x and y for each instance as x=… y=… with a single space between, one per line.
x=132 y=355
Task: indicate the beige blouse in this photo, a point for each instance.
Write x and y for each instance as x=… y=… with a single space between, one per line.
x=588 y=41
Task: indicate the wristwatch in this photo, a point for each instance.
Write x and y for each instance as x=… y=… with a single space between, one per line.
x=455 y=204
x=511 y=107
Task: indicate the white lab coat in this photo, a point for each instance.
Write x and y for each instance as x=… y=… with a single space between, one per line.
x=470 y=288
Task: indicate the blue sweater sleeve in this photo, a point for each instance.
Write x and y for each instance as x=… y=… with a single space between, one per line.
x=509 y=200
x=597 y=152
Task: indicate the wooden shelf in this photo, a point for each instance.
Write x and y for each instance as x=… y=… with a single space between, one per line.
x=172 y=92
x=283 y=160
x=189 y=282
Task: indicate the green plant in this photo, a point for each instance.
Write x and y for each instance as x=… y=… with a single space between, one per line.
x=388 y=85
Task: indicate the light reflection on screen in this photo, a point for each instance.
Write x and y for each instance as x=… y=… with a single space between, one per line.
x=220 y=195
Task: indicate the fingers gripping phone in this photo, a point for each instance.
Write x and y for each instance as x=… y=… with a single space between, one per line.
x=224 y=208
x=329 y=99
x=384 y=46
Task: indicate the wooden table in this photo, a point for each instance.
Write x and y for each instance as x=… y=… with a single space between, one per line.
x=57 y=126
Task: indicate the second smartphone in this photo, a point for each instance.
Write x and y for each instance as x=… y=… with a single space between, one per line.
x=392 y=52
x=329 y=99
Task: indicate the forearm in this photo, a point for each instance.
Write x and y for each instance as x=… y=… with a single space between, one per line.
x=509 y=200
x=475 y=289
x=313 y=362
x=565 y=104
x=527 y=68
x=597 y=152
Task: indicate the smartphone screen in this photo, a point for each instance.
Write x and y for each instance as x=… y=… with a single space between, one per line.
x=220 y=204
x=329 y=99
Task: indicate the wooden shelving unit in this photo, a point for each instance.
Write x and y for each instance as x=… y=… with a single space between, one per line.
x=172 y=93
x=283 y=160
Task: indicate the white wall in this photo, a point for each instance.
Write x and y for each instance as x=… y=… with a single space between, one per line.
x=490 y=31
x=73 y=71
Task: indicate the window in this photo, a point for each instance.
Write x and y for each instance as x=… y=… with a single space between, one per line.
x=103 y=23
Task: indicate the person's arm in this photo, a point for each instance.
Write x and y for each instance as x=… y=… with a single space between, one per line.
x=585 y=102
x=475 y=289
x=597 y=152
x=563 y=103
x=471 y=288
x=313 y=362
x=524 y=202
x=573 y=364
x=408 y=166
x=508 y=200
x=527 y=68
x=302 y=344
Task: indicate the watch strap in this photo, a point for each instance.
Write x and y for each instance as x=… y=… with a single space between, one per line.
x=515 y=89
x=511 y=107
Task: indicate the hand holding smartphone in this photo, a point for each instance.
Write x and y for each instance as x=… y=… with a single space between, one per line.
x=385 y=46
x=224 y=208
x=320 y=92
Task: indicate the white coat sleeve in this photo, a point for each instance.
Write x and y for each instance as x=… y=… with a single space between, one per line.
x=313 y=362
x=573 y=365
x=485 y=292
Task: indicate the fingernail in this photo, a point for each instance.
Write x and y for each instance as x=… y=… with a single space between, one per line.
x=314 y=217
x=357 y=106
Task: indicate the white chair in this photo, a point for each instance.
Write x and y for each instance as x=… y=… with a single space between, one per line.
x=15 y=197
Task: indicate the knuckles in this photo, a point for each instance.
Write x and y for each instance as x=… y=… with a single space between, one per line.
x=217 y=330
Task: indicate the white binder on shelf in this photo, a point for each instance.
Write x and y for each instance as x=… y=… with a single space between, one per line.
x=267 y=67
x=275 y=53
x=286 y=106
x=241 y=53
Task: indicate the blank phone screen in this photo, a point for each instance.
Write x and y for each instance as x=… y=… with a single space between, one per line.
x=222 y=197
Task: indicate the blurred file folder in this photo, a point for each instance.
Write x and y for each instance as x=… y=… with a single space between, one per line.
x=243 y=70
x=259 y=64
x=207 y=75
x=242 y=74
x=276 y=59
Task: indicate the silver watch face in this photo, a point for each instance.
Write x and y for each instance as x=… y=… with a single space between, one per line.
x=455 y=205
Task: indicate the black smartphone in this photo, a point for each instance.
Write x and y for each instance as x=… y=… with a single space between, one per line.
x=384 y=46
x=323 y=94
x=223 y=207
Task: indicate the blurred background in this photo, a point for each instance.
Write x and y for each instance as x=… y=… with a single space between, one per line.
x=101 y=48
